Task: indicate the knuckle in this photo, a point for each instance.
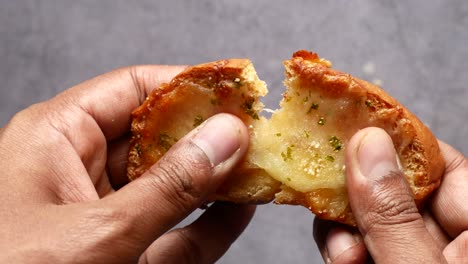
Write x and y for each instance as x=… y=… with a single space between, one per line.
x=106 y=230
x=104 y=224
x=391 y=203
x=179 y=180
x=190 y=251
x=111 y=218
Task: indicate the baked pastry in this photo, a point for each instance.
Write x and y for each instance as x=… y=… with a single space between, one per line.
x=296 y=156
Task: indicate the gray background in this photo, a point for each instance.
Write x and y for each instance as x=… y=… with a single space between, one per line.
x=418 y=49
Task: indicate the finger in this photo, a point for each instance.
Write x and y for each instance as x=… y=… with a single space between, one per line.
x=99 y=110
x=117 y=158
x=383 y=203
x=457 y=250
x=339 y=244
x=110 y=98
x=436 y=231
x=449 y=201
x=181 y=180
x=205 y=240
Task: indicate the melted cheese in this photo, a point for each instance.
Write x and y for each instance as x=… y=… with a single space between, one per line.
x=303 y=144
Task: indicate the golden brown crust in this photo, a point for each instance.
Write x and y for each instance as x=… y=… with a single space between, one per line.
x=229 y=84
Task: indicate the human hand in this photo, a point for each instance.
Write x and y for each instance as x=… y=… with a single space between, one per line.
x=58 y=161
x=391 y=229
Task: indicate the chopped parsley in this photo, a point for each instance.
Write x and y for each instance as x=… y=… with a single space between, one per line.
x=198 y=120
x=278 y=134
x=335 y=143
x=164 y=141
x=321 y=121
x=306 y=133
x=138 y=149
x=288 y=155
x=247 y=106
x=215 y=101
x=314 y=106
x=368 y=103
x=330 y=158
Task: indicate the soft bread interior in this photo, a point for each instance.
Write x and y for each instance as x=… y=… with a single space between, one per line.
x=302 y=146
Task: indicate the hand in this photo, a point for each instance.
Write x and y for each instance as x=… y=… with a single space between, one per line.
x=391 y=229
x=58 y=161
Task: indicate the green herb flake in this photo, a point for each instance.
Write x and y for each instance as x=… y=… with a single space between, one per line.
x=165 y=140
x=306 y=99
x=248 y=108
x=214 y=101
x=321 y=121
x=314 y=106
x=288 y=178
x=368 y=103
x=278 y=134
x=198 y=120
x=306 y=133
x=138 y=149
x=330 y=158
x=288 y=155
x=335 y=143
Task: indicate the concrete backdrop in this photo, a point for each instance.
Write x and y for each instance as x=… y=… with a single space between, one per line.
x=418 y=50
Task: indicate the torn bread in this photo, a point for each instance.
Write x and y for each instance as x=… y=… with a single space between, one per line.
x=296 y=156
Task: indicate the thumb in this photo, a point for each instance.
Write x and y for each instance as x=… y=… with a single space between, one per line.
x=383 y=203
x=180 y=181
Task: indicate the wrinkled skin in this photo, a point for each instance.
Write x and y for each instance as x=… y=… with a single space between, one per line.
x=391 y=230
x=58 y=161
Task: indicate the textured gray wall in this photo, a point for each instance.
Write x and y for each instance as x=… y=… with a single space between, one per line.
x=418 y=49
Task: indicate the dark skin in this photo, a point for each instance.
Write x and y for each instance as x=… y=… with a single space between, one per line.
x=59 y=158
x=390 y=228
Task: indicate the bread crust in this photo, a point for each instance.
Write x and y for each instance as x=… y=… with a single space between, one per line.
x=417 y=148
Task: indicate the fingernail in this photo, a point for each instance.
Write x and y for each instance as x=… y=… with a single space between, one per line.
x=376 y=155
x=219 y=138
x=338 y=241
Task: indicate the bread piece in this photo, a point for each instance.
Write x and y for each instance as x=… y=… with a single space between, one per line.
x=297 y=156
